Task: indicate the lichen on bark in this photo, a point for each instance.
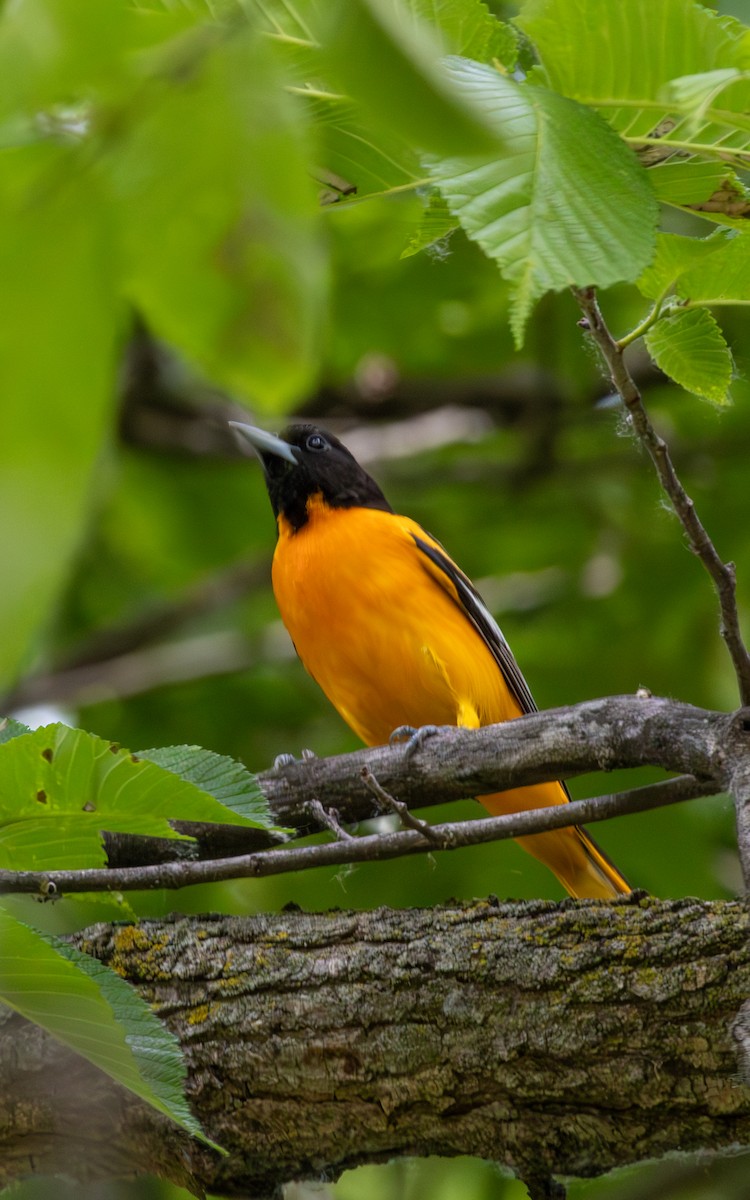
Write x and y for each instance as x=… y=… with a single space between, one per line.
x=568 y=1038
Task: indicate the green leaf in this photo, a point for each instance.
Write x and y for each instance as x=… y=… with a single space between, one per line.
x=688 y=346
x=10 y=729
x=710 y=188
x=725 y=89
x=467 y=27
x=408 y=90
x=632 y=55
x=366 y=152
x=627 y=65
x=724 y=276
x=51 y=53
x=436 y=224
x=227 y=780
x=713 y=270
x=86 y=1006
x=60 y=787
x=674 y=256
x=58 y=358
x=368 y=156
x=566 y=204
x=219 y=221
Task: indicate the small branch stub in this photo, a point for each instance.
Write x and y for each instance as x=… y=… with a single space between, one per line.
x=329 y=818
x=391 y=804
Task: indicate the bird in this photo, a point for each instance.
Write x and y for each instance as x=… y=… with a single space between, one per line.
x=392 y=630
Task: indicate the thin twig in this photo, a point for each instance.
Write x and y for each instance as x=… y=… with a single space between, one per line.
x=328 y=818
x=375 y=847
x=389 y=802
x=722 y=574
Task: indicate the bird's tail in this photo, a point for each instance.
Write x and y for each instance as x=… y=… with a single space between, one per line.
x=582 y=867
x=595 y=875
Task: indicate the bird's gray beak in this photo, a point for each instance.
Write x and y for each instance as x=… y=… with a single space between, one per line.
x=264 y=443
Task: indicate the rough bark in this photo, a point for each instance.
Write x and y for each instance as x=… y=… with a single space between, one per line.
x=554 y=1038
x=712 y=748
x=559 y=743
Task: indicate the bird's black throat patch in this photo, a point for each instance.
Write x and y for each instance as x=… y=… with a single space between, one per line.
x=324 y=467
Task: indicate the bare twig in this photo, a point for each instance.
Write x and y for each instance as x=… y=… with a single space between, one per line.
x=722 y=574
x=373 y=848
x=391 y=804
x=328 y=818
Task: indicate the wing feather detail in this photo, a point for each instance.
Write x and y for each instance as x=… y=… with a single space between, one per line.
x=485 y=624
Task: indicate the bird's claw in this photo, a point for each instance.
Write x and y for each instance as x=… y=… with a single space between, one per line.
x=414 y=738
x=401 y=733
x=286 y=760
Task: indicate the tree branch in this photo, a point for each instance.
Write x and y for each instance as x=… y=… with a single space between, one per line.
x=621 y=731
x=557 y=1039
x=722 y=574
x=377 y=847
x=596 y=735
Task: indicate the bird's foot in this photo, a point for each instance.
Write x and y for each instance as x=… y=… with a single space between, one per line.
x=414 y=738
x=286 y=760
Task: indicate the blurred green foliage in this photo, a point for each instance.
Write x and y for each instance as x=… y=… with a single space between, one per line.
x=153 y=169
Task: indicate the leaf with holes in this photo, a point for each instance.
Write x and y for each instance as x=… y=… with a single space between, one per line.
x=60 y=788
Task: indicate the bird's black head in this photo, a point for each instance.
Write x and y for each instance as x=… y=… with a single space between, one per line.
x=306 y=461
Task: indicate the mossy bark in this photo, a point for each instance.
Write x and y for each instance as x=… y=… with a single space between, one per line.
x=554 y=1038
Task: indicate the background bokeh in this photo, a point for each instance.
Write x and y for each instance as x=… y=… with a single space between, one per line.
x=148 y=617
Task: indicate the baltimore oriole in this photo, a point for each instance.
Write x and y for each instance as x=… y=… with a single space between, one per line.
x=392 y=631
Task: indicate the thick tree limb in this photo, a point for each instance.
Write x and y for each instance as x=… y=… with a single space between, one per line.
x=562 y=1039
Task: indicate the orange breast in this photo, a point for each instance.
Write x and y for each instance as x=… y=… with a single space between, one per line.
x=381 y=636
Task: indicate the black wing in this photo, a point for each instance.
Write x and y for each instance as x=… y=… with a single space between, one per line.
x=487 y=627
x=484 y=623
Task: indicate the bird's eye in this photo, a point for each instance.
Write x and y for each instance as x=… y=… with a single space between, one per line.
x=316 y=441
